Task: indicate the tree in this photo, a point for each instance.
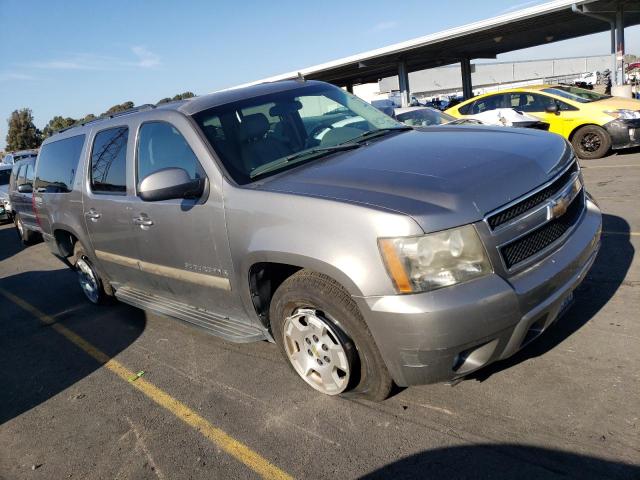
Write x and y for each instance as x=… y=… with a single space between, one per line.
x=87 y=118
x=183 y=96
x=55 y=124
x=179 y=96
x=118 y=108
x=22 y=133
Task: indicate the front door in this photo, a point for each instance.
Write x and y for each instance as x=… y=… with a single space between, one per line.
x=182 y=242
x=562 y=122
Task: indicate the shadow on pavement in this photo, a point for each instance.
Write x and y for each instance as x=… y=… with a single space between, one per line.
x=36 y=362
x=9 y=243
x=503 y=461
x=606 y=275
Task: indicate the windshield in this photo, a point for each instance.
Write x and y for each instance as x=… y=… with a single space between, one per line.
x=278 y=127
x=5 y=173
x=576 y=94
x=424 y=117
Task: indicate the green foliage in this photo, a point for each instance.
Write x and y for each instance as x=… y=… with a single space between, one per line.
x=179 y=96
x=22 y=133
x=87 y=118
x=183 y=96
x=118 y=108
x=55 y=124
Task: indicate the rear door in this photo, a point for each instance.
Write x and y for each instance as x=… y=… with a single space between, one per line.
x=26 y=199
x=107 y=206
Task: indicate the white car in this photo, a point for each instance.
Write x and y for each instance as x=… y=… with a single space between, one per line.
x=15 y=157
x=5 y=206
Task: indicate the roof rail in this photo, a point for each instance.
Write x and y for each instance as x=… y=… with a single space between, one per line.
x=146 y=106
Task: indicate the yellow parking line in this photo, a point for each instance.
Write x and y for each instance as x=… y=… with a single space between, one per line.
x=630 y=234
x=223 y=440
x=587 y=167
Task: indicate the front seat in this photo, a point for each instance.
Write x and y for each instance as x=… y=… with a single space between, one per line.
x=255 y=147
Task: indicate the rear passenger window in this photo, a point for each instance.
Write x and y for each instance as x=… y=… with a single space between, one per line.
x=109 y=161
x=57 y=165
x=160 y=146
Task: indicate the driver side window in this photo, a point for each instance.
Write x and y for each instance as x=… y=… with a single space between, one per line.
x=161 y=146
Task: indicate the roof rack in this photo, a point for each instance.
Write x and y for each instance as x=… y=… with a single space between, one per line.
x=146 y=106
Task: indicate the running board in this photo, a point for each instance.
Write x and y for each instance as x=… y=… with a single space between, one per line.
x=214 y=324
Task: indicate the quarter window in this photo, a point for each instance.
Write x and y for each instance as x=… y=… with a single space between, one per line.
x=57 y=165
x=161 y=146
x=109 y=161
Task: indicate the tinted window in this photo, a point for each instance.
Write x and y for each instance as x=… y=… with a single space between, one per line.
x=109 y=161
x=21 y=174
x=57 y=165
x=5 y=174
x=160 y=146
x=28 y=177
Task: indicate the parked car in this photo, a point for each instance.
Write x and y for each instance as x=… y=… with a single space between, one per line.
x=5 y=205
x=21 y=201
x=592 y=122
x=427 y=117
x=509 y=117
x=18 y=156
x=377 y=254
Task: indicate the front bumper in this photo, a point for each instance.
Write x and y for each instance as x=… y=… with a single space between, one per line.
x=448 y=333
x=624 y=133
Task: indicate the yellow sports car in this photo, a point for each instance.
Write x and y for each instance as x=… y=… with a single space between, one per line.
x=592 y=122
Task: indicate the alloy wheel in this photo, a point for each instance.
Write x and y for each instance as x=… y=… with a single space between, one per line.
x=316 y=351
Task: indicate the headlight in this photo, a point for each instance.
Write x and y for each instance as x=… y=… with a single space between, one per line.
x=623 y=114
x=435 y=260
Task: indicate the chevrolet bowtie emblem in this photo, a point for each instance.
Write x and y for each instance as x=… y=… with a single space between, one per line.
x=559 y=206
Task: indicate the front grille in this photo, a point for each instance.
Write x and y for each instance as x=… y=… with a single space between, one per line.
x=532 y=201
x=540 y=238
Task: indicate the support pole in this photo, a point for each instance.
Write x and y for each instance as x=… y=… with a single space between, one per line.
x=620 y=43
x=614 y=62
x=467 y=85
x=403 y=83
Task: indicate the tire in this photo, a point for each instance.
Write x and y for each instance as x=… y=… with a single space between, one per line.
x=591 y=142
x=26 y=236
x=90 y=281
x=320 y=302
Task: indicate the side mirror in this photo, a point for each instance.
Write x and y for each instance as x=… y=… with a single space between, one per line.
x=25 y=188
x=168 y=184
x=552 y=109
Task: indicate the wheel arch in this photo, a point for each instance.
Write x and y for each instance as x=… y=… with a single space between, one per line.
x=264 y=272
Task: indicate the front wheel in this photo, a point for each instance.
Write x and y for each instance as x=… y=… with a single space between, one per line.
x=324 y=338
x=591 y=142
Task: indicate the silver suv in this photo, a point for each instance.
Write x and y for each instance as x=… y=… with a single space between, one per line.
x=369 y=251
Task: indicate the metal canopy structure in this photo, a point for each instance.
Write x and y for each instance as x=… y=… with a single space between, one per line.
x=539 y=25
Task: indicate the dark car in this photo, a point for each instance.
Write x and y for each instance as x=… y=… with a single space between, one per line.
x=21 y=200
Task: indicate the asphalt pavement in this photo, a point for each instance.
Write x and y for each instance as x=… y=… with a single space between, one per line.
x=71 y=406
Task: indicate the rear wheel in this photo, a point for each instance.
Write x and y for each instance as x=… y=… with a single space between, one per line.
x=591 y=141
x=88 y=277
x=324 y=338
x=26 y=235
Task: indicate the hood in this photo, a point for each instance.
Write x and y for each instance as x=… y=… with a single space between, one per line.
x=442 y=176
x=617 y=103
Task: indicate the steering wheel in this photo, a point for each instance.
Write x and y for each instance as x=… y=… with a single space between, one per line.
x=311 y=138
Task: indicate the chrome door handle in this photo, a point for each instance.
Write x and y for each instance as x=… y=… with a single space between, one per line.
x=143 y=221
x=93 y=215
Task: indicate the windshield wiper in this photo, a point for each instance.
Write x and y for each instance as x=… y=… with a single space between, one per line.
x=379 y=133
x=301 y=156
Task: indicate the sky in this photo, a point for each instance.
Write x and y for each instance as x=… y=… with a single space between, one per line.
x=74 y=57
